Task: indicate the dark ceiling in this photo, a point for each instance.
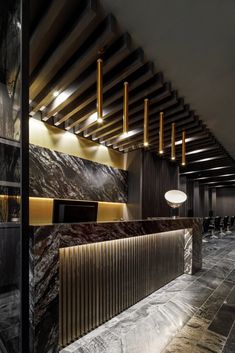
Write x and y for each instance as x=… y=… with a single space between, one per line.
x=68 y=37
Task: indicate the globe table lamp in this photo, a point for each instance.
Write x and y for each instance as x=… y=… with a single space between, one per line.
x=175 y=198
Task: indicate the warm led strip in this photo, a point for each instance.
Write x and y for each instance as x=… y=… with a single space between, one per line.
x=99 y=90
x=161 y=133
x=146 y=122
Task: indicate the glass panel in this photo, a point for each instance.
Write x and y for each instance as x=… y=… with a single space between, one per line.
x=10 y=35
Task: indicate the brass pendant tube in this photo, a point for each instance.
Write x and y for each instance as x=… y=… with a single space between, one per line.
x=161 y=133
x=173 y=141
x=146 y=122
x=99 y=90
x=125 y=109
x=183 y=148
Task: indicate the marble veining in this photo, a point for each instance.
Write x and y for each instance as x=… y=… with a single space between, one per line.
x=76 y=178
x=45 y=242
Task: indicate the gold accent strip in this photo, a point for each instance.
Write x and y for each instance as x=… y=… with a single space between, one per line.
x=100 y=90
x=125 y=109
x=173 y=141
x=161 y=133
x=146 y=122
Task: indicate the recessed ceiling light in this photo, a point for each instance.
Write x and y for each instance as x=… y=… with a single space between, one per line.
x=55 y=94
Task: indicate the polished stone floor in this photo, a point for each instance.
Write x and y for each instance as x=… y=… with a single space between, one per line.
x=191 y=314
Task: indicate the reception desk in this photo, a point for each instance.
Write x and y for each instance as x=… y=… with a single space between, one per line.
x=84 y=274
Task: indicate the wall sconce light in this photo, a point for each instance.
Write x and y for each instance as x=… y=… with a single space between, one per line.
x=183 y=162
x=99 y=91
x=161 y=134
x=173 y=141
x=125 y=110
x=146 y=122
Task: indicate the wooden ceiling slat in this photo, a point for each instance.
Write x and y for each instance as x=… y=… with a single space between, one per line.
x=205 y=165
x=82 y=62
x=180 y=118
x=136 y=114
x=117 y=105
x=211 y=173
x=65 y=49
x=79 y=110
x=132 y=126
x=154 y=147
x=153 y=137
x=81 y=84
x=54 y=19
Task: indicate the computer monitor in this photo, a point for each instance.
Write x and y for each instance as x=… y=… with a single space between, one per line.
x=68 y=211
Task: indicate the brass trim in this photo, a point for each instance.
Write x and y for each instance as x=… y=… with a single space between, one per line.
x=173 y=141
x=161 y=133
x=99 y=90
x=146 y=122
x=125 y=109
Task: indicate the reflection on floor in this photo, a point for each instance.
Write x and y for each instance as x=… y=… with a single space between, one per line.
x=193 y=314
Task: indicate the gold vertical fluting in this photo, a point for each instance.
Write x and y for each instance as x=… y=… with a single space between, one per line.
x=97 y=281
x=99 y=90
x=125 y=109
x=146 y=122
x=173 y=141
x=161 y=133
x=183 y=162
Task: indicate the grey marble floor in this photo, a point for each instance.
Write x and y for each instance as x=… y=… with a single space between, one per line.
x=191 y=314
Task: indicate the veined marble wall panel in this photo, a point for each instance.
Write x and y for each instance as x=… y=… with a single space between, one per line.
x=10 y=160
x=59 y=175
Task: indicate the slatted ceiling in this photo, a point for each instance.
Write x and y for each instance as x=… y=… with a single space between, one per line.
x=84 y=57
x=51 y=23
x=198 y=137
x=207 y=154
x=66 y=62
x=120 y=50
x=207 y=165
x=74 y=110
x=209 y=174
x=136 y=107
x=69 y=41
x=90 y=95
x=153 y=135
x=135 y=103
x=116 y=122
x=135 y=117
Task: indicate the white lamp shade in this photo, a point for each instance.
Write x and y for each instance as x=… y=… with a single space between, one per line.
x=175 y=198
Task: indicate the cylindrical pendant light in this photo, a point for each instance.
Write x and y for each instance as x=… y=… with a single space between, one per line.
x=173 y=141
x=161 y=133
x=146 y=122
x=125 y=109
x=183 y=162
x=99 y=90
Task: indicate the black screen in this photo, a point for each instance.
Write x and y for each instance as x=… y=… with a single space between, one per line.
x=74 y=211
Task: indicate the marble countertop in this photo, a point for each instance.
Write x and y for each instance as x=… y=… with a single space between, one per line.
x=117 y=221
